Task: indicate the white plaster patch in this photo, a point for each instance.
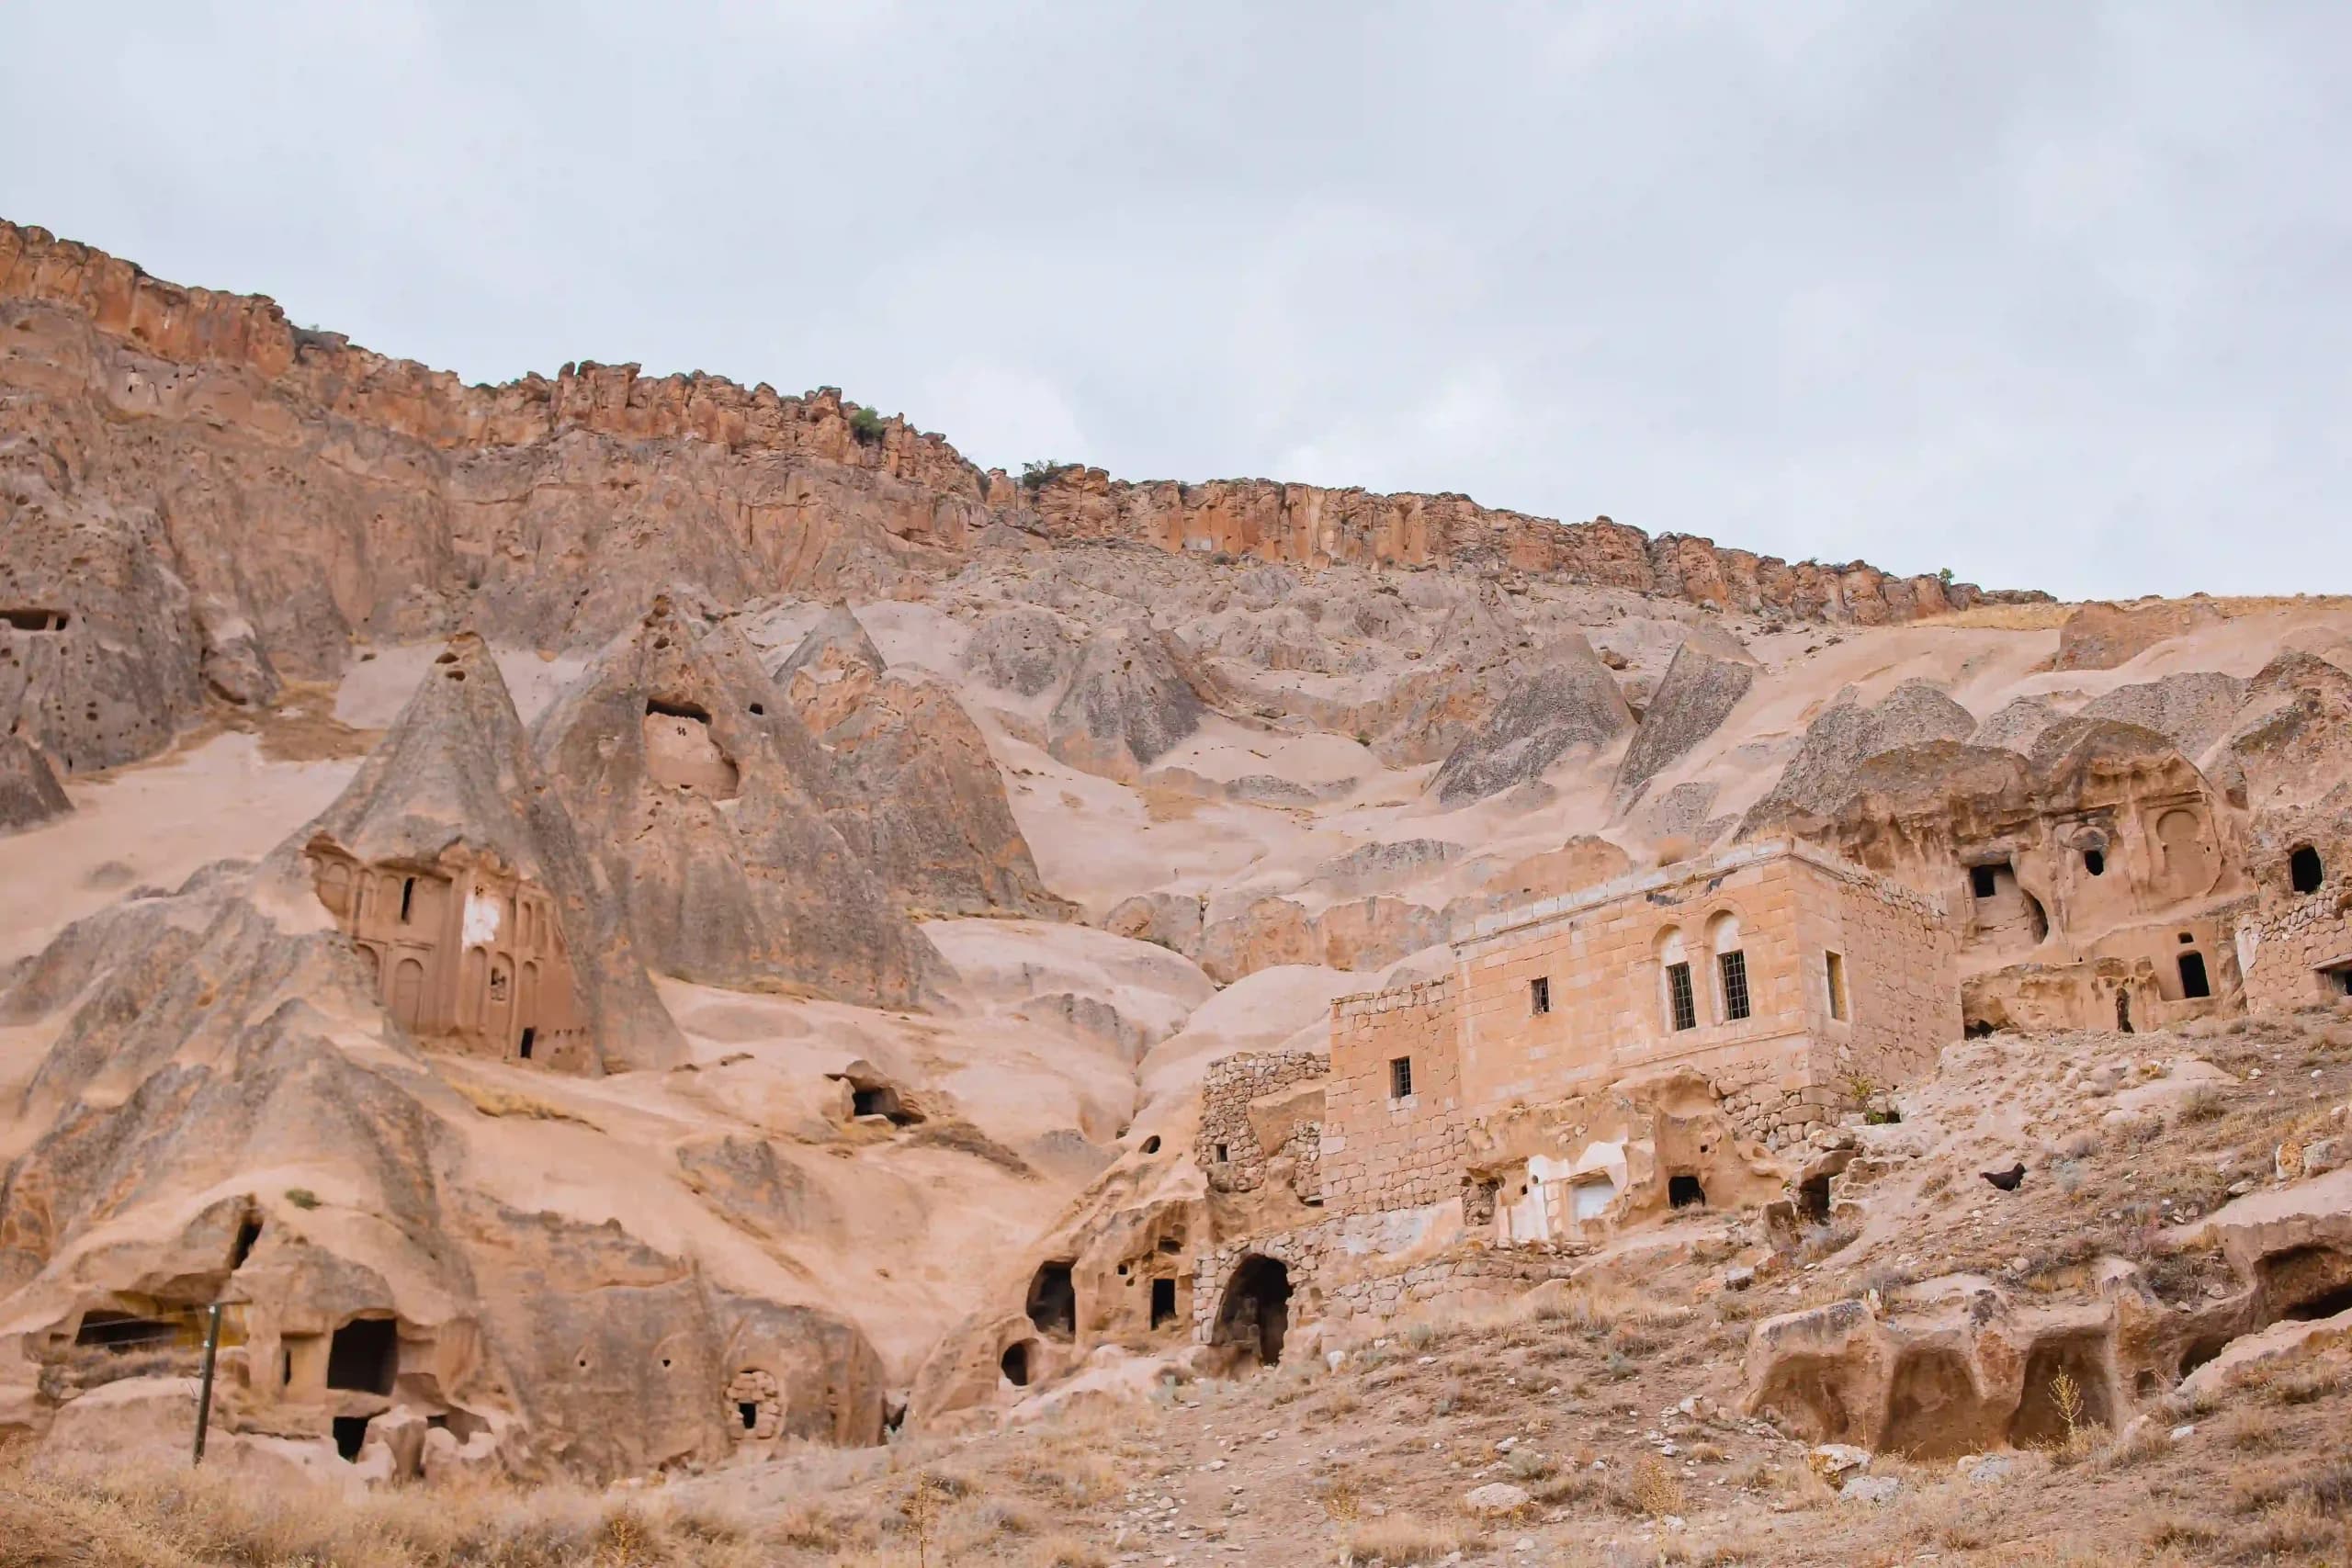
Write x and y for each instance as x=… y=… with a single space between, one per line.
x=482 y=916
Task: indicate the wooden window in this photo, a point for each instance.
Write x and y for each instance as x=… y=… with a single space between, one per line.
x=1539 y=994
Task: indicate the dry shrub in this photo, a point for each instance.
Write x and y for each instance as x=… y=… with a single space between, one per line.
x=1406 y=1538
x=1654 y=1489
x=1068 y=1551
x=491 y=1101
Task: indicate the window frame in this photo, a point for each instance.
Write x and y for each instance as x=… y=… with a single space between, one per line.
x=1731 y=986
x=1681 y=998
x=1400 y=1077
x=1539 y=996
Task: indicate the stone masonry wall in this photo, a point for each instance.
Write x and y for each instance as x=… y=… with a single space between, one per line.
x=1382 y=1151
x=1225 y=1093
x=2281 y=951
x=1331 y=1276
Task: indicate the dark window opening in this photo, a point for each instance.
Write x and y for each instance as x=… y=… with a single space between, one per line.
x=407 y=897
x=678 y=710
x=748 y=1412
x=1015 y=1364
x=1539 y=994
x=1053 y=1301
x=1171 y=1245
x=248 y=1233
x=530 y=1038
x=1163 y=1303
x=1255 y=1313
x=1977 y=1028
x=2201 y=1351
x=880 y=1100
x=364 y=1355
x=1401 y=1077
x=1834 y=968
x=1984 y=881
x=1684 y=1192
x=350 y=1433
x=1813 y=1201
x=36 y=620
x=1220 y=1154
x=2304 y=870
x=1151 y=1145
x=284 y=1369
x=1683 y=1004
x=2192 y=976
x=2095 y=862
x=759 y=710
x=1734 y=978
x=2187 y=937
x=2123 y=1012
x=2341 y=979
x=120 y=1332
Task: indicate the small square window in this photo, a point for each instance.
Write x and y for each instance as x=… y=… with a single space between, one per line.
x=1400 y=1077
x=1539 y=994
x=1985 y=880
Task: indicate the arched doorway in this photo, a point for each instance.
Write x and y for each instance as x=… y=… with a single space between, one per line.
x=1255 y=1313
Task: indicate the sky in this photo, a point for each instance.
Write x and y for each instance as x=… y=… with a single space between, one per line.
x=2054 y=294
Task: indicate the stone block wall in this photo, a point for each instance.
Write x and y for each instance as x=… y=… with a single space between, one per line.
x=1225 y=1093
x=2295 y=954
x=1334 y=1274
x=1382 y=1151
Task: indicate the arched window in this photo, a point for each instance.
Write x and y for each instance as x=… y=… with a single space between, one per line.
x=1731 y=966
x=1678 y=999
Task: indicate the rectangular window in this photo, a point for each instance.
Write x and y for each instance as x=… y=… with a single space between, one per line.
x=1400 y=1077
x=1733 y=966
x=1539 y=994
x=1835 y=963
x=1984 y=880
x=1683 y=1004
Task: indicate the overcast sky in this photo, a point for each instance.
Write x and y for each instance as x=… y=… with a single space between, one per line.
x=2056 y=295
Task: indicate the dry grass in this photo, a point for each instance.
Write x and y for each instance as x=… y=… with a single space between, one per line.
x=491 y=1101
x=1406 y=1537
x=160 y=1517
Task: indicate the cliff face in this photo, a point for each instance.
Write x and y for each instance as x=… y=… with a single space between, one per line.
x=212 y=498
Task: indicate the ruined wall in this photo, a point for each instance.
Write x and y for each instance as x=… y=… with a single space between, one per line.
x=2299 y=952
x=1381 y=1151
x=1228 y=1148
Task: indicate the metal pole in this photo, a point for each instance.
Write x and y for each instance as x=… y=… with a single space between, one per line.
x=204 y=1397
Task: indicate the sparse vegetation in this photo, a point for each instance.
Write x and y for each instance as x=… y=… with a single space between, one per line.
x=1039 y=472
x=867 y=426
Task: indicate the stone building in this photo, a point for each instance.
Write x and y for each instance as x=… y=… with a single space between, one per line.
x=1790 y=982
x=1590 y=1060
x=2296 y=949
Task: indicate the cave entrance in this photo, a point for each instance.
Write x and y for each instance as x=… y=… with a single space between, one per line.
x=2063 y=1365
x=1933 y=1409
x=2306 y=1284
x=2123 y=1012
x=2193 y=982
x=1016 y=1362
x=122 y=1333
x=1813 y=1201
x=2304 y=870
x=364 y=1355
x=350 y=1435
x=1163 y=1303
x=1684 y=1192
x=880 y=1100
x=248 y=1236
x=747 y=1411
x=1255 y=1315
x=1053 y=1300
